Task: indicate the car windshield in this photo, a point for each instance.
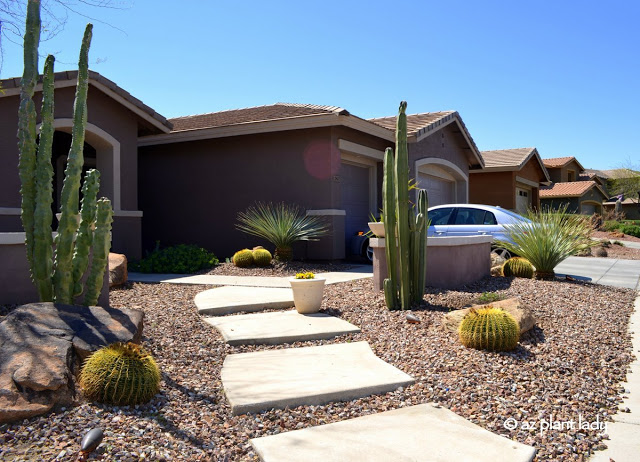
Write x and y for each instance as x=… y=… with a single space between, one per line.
x=515 y=216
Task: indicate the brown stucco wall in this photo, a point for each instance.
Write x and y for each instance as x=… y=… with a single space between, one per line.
x=103 y=112
x=443 y=144
x=561 y=174
x=191 y=192
x=15 y=282
x=493 y=188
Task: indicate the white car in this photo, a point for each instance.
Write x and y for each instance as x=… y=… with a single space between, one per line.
x=473 y=220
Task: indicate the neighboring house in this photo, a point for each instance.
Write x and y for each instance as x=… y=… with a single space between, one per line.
x=184 y=180
x=194 y=180
x=563 y=169
x=584 y=197
x=115 y=122
x=572 y=186
x=511 y=179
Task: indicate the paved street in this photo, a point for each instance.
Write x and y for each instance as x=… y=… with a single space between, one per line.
x=605 y=271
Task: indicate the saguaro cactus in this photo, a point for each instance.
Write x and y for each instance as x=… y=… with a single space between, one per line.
x=406 y=231
x=57 y=275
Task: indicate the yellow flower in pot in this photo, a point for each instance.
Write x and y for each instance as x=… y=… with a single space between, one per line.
x=307 y=292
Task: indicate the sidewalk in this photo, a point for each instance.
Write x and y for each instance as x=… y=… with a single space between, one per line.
x=605 y=271
x=624 y=432
x=357 y=272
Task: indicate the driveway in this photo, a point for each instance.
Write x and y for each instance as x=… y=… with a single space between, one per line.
x=605 y=271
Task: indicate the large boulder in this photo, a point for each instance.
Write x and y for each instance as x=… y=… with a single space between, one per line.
x=523 y=315
x=42 y=346
x=117 y=269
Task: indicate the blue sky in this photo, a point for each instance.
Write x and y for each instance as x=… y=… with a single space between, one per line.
x=563 y=76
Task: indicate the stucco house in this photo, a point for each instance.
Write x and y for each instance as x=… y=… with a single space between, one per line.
x=184 y=180
x=116 y=120
x=511 y=179
x=211 y=166
x=572 y=187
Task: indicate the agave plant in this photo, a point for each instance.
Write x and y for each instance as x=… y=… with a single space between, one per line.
x=282 y=225
x=549 y=238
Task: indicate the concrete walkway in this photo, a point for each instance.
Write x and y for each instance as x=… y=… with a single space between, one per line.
x=624 y=432
x=605 y=271
x=357 y=272
x=422 y=432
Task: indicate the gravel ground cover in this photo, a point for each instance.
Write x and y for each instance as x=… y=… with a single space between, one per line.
x=278 y=269
x=567 y=368
x=617 y=251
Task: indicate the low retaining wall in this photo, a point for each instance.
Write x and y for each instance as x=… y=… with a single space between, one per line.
x=15 y=282
x=451 y=261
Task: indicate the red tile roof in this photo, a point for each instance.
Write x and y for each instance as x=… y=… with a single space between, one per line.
x=415 y=122
x=569 y=189
x=557 y=161
x=506 y=157
x=276 y=111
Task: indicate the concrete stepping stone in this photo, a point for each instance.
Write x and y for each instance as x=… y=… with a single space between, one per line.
x=228 y=300
x=315 y=375
x=274 y=328
x=423 y=432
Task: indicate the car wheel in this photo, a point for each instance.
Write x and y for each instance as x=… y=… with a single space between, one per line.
x=504 y=253
x=369 y=254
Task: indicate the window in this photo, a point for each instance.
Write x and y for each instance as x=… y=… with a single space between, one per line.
x=468 y=216
x=571 y=175
x=440 y=216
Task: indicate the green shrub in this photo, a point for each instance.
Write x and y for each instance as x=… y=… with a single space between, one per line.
x=631 y=230
x=548 y=239
x=611 y=225
x=179 y=259
x=243 y=258
x=518 y=267
x=621 y=244
x=490 y=329
x=488 y=297
x=120 y=374
x=282 y=225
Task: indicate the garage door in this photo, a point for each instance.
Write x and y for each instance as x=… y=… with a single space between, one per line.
x=354 y=185
x=523 y=200
x=440 y=191
x=588 y=209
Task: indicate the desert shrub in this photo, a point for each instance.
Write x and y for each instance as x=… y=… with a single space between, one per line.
x=490 y=329
x=179 y=259
x=488 y=297
x=282 y=225
x=120 y=374
x=631 y=230
x=611 y=225
x=601 y=252
x=605 y=243
x=621 y=244
x=548 y=239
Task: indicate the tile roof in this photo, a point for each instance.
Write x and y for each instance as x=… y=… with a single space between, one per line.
x=507 y=157
x=415 y=122
x=569 y=189
x=14 y=83
x=557 y=161
x=276 y=111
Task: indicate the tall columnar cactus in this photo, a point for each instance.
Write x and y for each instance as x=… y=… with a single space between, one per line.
x=57 y=275
x=406 y=231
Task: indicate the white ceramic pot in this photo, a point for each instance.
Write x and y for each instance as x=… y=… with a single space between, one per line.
x=307 y=294
x=377 y=228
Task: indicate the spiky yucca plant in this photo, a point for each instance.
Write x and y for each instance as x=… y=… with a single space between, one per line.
x=120 y=374
x=547 y=239
x=490 y=329
x=281 y=224
x=243 y=258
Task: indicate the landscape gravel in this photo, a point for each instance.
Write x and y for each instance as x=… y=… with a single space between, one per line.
x=567 y=368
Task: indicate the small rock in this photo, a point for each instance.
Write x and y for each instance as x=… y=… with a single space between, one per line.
x=117 y=269
x=413 y=319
